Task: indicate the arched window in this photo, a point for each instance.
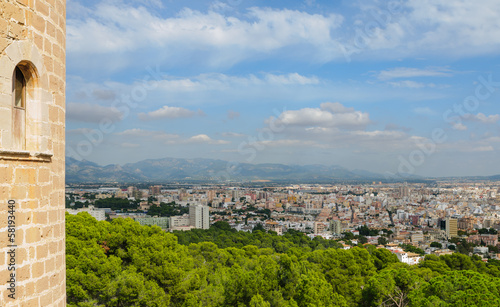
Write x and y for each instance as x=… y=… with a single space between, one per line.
x=19 y=110
x=20 y=89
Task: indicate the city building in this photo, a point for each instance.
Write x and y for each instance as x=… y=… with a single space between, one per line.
x=162 y=222
x=486 y=239
x=404 y=191
x=320 y=227
x=180 y=222
x=480 y=250
x=417 y=236
x=98 y=214
x=155 y=190
x=199 y=216
x=451 y=228
x=336 y=227
x=32 y=153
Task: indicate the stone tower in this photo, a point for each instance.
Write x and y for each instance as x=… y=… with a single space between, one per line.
x=32 y=119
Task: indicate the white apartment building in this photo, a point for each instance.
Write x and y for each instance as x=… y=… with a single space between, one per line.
x=199 y=216
x=98 y=214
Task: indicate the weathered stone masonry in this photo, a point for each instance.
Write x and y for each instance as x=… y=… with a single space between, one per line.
x=32 y=38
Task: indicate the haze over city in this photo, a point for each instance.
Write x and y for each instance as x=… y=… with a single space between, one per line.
x=408 y=86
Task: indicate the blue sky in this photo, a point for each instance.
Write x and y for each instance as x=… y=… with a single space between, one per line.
x=386 y=86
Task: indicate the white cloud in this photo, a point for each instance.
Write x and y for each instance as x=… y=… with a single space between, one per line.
x=232 y=134
x=114 y=28
x=227 y=36
x=328 y=115
x=92 y=113
x=203 y=138
x=457 y=26
x=169 y=112
x=408 y=84
x=217 y=81
x=147 y=136
x=290 y=79
x=459 y=126
x=406 y=72
x=480 y=117
x=335 y=107
x=432 y=27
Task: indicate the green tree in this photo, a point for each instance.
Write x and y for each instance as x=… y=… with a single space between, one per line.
x=382 y=241
x=391 y=287
x=458 y=288
x=436 y=244
x=383 y=258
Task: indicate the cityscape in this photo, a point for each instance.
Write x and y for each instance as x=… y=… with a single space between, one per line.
x=435 y=218
x=249 y=153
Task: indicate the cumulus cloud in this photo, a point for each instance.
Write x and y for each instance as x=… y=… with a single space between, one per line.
x=335 y=126
x=123 y=27
x=169 y=112
x=327 y=115
x=228 y=36
x=203 y=138
x=92 y=113
x=335 y=107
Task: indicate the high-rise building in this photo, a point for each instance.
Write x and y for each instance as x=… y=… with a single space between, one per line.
x=210 y=195
x=404 y=191
x=451 y=227
x=32 y=153
x=199 y=216
x=131 y=190
x=336 y=227
x=155 y=190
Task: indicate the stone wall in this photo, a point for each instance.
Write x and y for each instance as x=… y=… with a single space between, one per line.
x=32 y=36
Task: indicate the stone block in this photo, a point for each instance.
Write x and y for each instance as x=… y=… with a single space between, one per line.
x=16 y=30
x=42 y=7
x=37 y=269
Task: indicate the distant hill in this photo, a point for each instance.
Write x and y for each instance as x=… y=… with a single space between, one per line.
x=171 y=169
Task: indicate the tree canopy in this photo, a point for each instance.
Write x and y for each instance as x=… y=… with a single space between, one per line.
x=121 y=263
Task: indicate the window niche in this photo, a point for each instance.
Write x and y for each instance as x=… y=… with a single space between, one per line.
x=19 y=83
x=25 y=101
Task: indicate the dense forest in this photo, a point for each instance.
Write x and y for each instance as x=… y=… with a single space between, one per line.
x=121 y=263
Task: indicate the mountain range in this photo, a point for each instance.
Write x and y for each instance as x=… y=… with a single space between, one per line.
x=173 y=169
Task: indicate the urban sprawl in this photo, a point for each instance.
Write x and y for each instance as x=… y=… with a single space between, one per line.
x=411 y=220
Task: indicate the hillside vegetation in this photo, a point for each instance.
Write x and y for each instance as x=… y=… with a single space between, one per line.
x=121 y=263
